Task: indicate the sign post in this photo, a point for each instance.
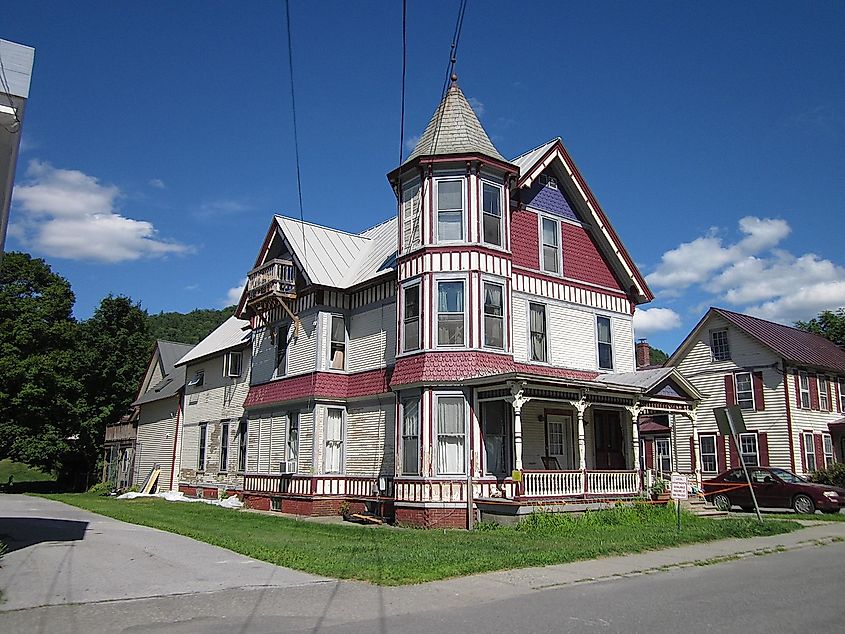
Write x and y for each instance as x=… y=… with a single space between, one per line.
x=730 y=422
x=679 y=491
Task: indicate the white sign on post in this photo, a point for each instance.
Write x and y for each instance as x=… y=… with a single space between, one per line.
x=678 y=487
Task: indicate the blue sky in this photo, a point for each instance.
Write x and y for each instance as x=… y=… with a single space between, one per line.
x=158 y=139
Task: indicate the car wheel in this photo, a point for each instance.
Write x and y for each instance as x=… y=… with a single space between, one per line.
x=803 y=505
x=722 y=502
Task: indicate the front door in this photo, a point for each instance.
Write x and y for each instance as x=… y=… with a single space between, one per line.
x=610 y=451
x=560 y=446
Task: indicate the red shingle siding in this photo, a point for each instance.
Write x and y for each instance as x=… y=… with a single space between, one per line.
x=525 y=239
x=582 y=260
x=325 y=384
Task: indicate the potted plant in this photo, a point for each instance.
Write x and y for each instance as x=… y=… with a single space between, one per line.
x=660 y=490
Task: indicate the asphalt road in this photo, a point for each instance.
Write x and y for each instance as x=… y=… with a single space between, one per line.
x=800 y=590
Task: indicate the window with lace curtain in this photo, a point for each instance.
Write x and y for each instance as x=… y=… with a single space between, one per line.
x=494 y=318
x=451 y=435
x=333 y=458
x=537 y=328
x=411 y=436
x=450 y=313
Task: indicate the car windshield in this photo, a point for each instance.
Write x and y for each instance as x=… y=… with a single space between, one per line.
x=788 y=476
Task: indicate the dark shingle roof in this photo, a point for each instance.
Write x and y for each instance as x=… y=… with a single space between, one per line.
x=454 y=129
x=174 y=378
x=797 y=346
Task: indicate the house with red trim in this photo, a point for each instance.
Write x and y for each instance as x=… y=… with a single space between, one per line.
x=789 y=383
x=474 y=352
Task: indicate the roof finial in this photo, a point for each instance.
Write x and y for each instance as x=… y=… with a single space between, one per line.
x=454 y=78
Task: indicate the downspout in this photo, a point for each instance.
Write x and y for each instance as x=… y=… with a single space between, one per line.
x=788 y=417
x=175 y=440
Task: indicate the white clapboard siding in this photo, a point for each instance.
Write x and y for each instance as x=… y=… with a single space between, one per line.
x=302 y=349
x=263 y=355
x=306 y=442
x=190 y=452
x=369 y=440
x=622 y=337
x=264 y=442
x=372 y=338
x=533 y=436
x=219 y=397
x=519 y=318
x=572 y=337
x=278 y=434
x=156 y=427
x=252 y=442
x=804 y=420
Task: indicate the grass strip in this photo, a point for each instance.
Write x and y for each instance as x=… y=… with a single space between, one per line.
x=396 y=556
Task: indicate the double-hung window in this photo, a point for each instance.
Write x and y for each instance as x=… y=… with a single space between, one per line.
x=824 y=402
x=450 y=210
x=242 y=445
x=550 y=245
x=450 y=313
x=203 y=446
x=605 y=343
x=827 y=445
x=293 y=440
x=232 y=364
x=491 y=213
x=451 y=435
x=333 y=460
x=708 y=454
x=748 y=448
x=494 y=318
x=411 y=215
x=282 y=349
x=537 y=331
x=411 y=436
x=719 y=345
x=809 y=451
x=493 y=427
x=744 y=390
x=224 y=447
x=804 y=389
x=337 y=346
x=411 y=319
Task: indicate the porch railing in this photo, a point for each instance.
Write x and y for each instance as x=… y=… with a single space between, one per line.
x=613 y=482
x=295 y=484
x=273 y=277
x=562 y=484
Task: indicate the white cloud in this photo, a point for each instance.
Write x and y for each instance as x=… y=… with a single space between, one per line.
x=157 y=183
x=411 y=142
x=477 y=105
x=69 y=214
x=651 y=320
x=223 y=207
x=233 y=295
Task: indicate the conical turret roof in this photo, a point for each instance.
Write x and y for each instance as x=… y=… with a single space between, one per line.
x=454 y=129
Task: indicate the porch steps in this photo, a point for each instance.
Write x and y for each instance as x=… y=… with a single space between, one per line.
x=701 y=507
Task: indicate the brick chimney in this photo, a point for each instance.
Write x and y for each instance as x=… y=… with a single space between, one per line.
x=643 y=353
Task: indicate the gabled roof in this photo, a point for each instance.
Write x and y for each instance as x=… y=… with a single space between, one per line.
x=232 y=333
x=334 y=258
x=553 y=154
x=167 y=353
x=796 y=346
x=454 y=129
x=648 y=380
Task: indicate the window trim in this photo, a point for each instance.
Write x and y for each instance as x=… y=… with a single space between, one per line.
x=288 y=428
x=464 y=284
x=243 y=444
x=660 y=440
x=411 y=184
x=827 y=441
x=403 y=403
x=484 y=315
x=714 y=453
x=227 y=363
x=750 y=390
x=600 y=343
x=506 y=451
x=332 y=342
x=225 y=439
x=823 y=395
x=545 y=333
x=342 y=460
x=463 y=210
x=559 y=247
x=756 y=454
x=809 y=450
x=202 y=447
x=415 y=284
x=804 y=377
x=713 y=345
x=437 y=434
x=198 y=380
x=485 y=182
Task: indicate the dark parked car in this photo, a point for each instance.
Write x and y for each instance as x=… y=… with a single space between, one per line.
x=774 y=488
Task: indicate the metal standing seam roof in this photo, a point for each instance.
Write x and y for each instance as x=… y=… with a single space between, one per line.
x=454 y=129
x=643 y=379
x=339 y=259
x=797 y=346
x=174 y=377
x=529 y=158
x=231 y=333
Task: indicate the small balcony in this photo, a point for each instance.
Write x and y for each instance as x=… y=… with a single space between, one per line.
x=273 y=278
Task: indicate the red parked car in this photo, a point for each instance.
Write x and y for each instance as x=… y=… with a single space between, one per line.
x=774 y=488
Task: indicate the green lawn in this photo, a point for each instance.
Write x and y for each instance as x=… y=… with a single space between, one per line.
x=818 y=517
x=24 y=476
x=393 y=556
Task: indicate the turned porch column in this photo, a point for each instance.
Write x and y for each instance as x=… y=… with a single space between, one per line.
x=634 y=411
x=696 y=449
x=581 y=408
x=517 y=399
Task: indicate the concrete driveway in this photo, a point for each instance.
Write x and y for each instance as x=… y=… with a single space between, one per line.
x=58 y=554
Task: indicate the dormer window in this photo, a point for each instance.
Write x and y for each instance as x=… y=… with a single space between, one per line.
x=491 y=216
x=450 y=210
x=548 y=181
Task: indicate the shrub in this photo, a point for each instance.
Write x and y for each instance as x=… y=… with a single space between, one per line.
x=833 y=475
x=101 y=488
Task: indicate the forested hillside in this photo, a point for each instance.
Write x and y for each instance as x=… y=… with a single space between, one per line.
x=187 y=327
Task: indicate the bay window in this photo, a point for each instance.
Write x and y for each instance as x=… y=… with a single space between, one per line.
x=491 y=213
x=337 y=346
x=411 y=436
x=451 y=435
x=450 y=210
x=333 y=460
x=411 y=319
x=450 y=313
x=494 y=316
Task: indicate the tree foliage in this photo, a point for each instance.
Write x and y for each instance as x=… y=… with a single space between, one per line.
x=828 y=324
x=189 y=327
x=656 y=356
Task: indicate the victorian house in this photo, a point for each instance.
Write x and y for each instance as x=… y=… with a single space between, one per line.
x=473 y=352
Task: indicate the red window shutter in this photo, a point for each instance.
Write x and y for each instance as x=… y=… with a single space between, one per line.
x=814 y=392
x=763 y=448
x=803 y=453
x=734 y=451
x=720 y=453
x=797 y=391
x=648 y=445
x=692 y=451
x=730 y=390
x=817 y=439
x=759 y=399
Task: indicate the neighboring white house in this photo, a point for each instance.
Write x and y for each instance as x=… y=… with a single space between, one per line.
x=211 y=448
x=789 y=383
x=159 y=404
